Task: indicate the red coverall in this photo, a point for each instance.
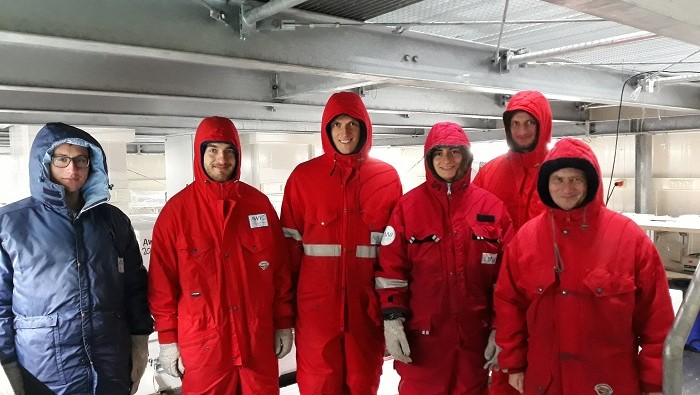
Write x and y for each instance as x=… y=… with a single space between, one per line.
x=219 y=278
x=439 y=261
x=512 y=177
x=334 y=211
x=578 y=330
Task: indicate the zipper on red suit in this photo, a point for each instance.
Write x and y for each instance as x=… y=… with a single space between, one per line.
x=453 y=274
x=344 y=247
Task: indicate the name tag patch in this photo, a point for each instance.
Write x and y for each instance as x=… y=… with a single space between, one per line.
x=375 y=238
x=257 y=220
x=488 y=259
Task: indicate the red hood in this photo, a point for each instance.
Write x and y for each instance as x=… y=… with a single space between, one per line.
x=570 y=152
x=535 y=104
x=351 y=104
x=446 y=133
x=215 y=129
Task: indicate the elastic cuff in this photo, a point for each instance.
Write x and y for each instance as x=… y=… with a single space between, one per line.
x=513 y=370
x=166 y=337
x=284 y=322
x=393 y=313
x=648 y=387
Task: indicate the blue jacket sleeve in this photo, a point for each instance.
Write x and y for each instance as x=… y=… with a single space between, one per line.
x=135 y=277
x=7 y=332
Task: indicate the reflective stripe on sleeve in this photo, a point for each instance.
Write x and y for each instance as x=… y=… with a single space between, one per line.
x=322 y=249
x=384 y=283
x=292 y=233
x=367 y=251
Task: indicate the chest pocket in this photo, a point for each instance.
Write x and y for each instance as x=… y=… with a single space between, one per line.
x=319 y=223
x=424 y=253
x=257 y=244
x=612 y=297
x=197 y=262
x=537 y=281
x=486 y=244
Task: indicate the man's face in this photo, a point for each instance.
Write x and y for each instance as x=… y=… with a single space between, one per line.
x=568 y=187
x=219 y=161
x=447 y=162
x=523 y=129
x=345 y=132
x=73 y=176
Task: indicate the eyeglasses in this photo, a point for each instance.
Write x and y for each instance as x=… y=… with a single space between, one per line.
x=559 y=181
x=80 y=161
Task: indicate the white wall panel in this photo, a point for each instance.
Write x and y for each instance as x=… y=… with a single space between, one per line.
x=677 y=155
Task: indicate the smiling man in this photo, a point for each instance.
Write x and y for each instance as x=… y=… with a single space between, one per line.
x=582 y=302
x=73 y=312
x=219 y=280
x=334 y=212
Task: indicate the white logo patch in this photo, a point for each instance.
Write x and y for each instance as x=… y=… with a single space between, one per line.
x=264 y=265
x=389 y=236
x=488 y=259
x=375 y=238
x=120 y=264
x=257 y=220
x=603 y=389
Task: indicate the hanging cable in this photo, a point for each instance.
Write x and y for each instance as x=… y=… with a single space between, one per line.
x=651 y=74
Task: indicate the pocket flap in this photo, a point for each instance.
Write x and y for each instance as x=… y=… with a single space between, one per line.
x=256 y=240
x=41 y=321
x=603 y=283
x=486 y=232
x=423 y=236
x=194 y=245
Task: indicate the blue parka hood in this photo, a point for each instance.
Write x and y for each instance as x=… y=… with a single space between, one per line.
x=96 y=188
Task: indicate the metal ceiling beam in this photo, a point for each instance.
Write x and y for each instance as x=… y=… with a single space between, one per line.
x=390 y=105
x=290 y=86
x=190 y=37
x=682 y=124
x=438 y=65
x=513 y=60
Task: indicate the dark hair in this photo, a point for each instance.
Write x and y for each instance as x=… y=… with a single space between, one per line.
x=507 y=116
x=466 y=160
x=553 y=165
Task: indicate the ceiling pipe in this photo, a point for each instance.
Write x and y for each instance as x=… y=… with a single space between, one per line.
x=500 y=33
x=289 y=25
x=676 y=79
x=268 y=9
x=516 y=59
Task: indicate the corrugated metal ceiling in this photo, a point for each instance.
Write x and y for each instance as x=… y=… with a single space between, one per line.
x=359 y=10
x=647 y=55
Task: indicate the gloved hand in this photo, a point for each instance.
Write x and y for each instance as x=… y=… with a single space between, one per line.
x=517 y=381
x=283 y=342
x=139 y=359
x=491 y=352
x=396 y=342
x=14 y=375
x=170 y=360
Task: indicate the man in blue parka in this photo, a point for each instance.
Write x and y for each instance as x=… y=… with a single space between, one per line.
x=74 y=317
